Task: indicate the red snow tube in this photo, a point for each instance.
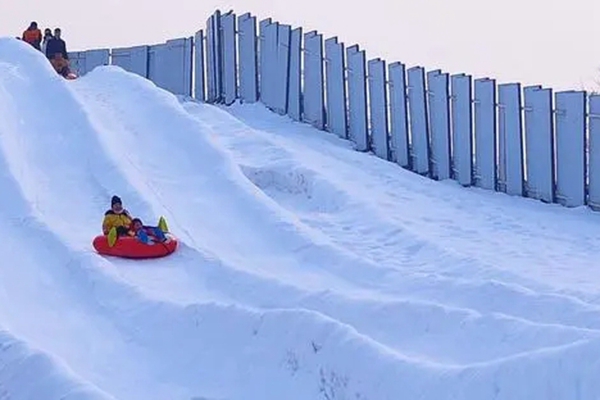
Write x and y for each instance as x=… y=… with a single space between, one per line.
x=130 y=247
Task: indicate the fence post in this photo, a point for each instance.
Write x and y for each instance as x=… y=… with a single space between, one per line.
x=313 y=99
x=357 y=98
x=511 y=173
x=439 y=120
x=248 y=55
x=399 y=138
x=419 y=126
x=539 y=139
x=213 y=55
x=378 y=108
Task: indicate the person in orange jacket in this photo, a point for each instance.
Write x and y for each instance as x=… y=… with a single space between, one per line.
x=33 y=36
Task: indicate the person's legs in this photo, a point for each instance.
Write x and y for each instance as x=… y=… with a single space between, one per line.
x=158 y=233
x=122 y=231
x=143 y=237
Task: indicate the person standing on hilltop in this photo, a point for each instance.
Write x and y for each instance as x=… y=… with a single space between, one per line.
x=56 y=52
x=33 y=36
x=56 y=45
x=47 y=37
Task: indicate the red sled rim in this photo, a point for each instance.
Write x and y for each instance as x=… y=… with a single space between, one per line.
x=130 y=247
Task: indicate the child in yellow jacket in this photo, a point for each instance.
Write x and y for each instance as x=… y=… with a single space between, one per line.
x=117 y=217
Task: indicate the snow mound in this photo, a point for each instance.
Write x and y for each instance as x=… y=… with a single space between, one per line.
x=26 y=374
x=286 y=182
x=50 y=145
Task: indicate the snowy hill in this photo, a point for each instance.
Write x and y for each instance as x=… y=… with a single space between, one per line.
x=306 y=270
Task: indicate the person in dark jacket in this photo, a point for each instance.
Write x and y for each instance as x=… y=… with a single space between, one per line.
x=56 y=45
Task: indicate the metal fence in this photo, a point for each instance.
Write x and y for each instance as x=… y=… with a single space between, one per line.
x=525 y=141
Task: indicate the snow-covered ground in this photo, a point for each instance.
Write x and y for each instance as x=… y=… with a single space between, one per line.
x=306 y=270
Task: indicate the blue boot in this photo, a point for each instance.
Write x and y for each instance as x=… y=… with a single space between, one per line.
x=143 y=237
x=160 y=235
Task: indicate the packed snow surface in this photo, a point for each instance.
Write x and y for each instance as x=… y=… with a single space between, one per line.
x=306 y=270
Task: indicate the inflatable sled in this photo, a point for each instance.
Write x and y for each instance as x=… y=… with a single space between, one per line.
x=131 y=247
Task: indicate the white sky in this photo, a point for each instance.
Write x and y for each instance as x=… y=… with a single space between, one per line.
x=549 y=42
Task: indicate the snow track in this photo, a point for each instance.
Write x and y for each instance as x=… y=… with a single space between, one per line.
x=306 y=270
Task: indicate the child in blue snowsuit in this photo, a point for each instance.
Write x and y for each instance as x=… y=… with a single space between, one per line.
x=147 y=234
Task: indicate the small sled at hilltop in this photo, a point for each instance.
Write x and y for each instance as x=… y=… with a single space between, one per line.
x=62 y=67
x=141 y=242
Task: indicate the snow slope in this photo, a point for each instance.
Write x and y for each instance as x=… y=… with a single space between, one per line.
x=306 y=270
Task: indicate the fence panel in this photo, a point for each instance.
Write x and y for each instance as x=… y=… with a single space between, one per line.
x=439 y=118
x=485 y=133
x=96 y=58
x=313 y=80
x=188 y=67
x=462 y=128
x=570 y=148
x=248 y=50
x=594 y=152
x=175 y=66
x=229 y=57
x=399 y=141
x=295 y=75
x=539 y=143
x=77 y=62
x=83 y=62
x=158 y=65
x=121 y=57
x=357 y=98
x=268 y=59
x=419 y=127
x=378 y=107
x=157 y=58
x=280 y=98
x=510 y=137
x=199 y=85
x=132 y=59
x=262 y=59
x=213 y=58
x=336 y=87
